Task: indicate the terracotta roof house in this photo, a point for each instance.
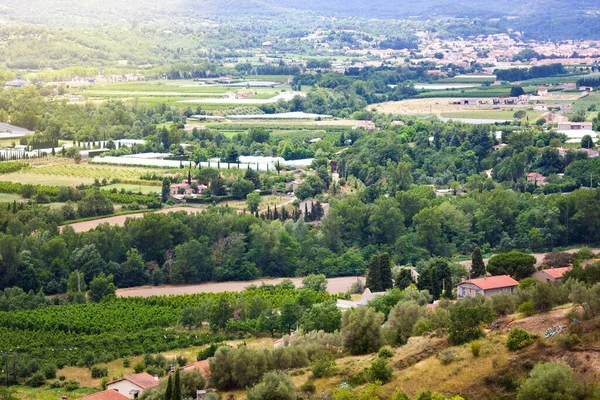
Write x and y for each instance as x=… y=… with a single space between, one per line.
x=542 y=91
x=134 y=385
x=180 y=190
x=590 y=152
x=201 y=366
x=536 y=178
x=487 y=286
x=105 y=395
x=550 y=274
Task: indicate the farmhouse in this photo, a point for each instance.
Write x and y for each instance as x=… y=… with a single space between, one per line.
x=185 y=188
x=575 y=126
x=134 y=385
x=487 y=286
x=590 y=152
x=542 y=91
x=550 y=274
x=105 y=395
x=536 y=178
x=201 y=366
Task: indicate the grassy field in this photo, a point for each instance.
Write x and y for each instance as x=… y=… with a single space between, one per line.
x=266 y=201
x=9 y=198
x=173 y=91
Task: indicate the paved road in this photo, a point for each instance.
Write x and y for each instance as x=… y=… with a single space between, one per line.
x=334 y=285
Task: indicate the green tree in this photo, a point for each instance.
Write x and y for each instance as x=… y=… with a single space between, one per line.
x=467 y=323
x=316 y=282
x=241 y=188
x=514 y=263
x=516 y=91
x=379 y=273
x=169 y=390
x=177 y=387
x=361 y=330
x=275 y=385
x=101 y=287
x=220 y=313
x=133 y=271
x=379 y=370
x=192 y=262
x=322 y=317
x=550 y=381
x=253 y=201
x=587 y=142
x=477 y=264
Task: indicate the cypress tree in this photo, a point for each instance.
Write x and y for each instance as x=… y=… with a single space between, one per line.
x=477 y=265
x=379 y=274
x=176 y=387
x=169 y=392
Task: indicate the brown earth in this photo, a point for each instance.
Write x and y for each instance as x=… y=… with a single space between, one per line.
x=119 y=220
x=334 y=285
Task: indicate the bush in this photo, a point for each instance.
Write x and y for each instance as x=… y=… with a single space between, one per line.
x=379 y=371
x=49 y=371
x=447 y=356
x=308 y=387
x=517 y=339
x=323 y=367
x=139 y=367
x=568 y=341
x=361 y=330
x=37 y=379
x=475 y=348
x=526 y=308
x=386 y=353
x=275 y=385
x=549 y=381
x=99 y=372
x=126 y=362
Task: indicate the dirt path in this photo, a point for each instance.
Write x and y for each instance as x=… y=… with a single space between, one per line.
x=119 y=220
x=334 y=285
x=539 y=257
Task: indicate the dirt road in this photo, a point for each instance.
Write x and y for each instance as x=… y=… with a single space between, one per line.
x=334 y=285
x=539 y=257
x=119 y=220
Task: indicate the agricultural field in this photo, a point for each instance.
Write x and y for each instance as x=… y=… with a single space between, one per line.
x=71 y=174
x=439 y=106
x=181 y=92
x=133 y=188
x=491 y=114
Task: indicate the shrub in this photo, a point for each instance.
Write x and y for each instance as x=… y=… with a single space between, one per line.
x=550 y=381
x=37 y=379
x=467 y=323
x=568 y=341
x=308 y=387
x=475 y=348
x=99 y=372
x=386 y=353
x=361 y=330
x=275 y=385
x=526 y=308
x=139 y=367
x=323 y=366
x=126 y=363
x=379 y=371
x=517 y=339
x=446 y=356
x=49 y=371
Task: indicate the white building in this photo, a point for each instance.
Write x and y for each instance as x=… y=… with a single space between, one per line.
x=134 y=385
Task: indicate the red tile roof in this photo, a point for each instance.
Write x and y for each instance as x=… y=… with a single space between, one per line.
x=493 y=282
x=105 y=395
x=202 y=366
x=557 y=273
x=143 y=380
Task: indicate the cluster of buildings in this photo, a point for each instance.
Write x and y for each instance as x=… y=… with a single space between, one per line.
x=134 y=386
